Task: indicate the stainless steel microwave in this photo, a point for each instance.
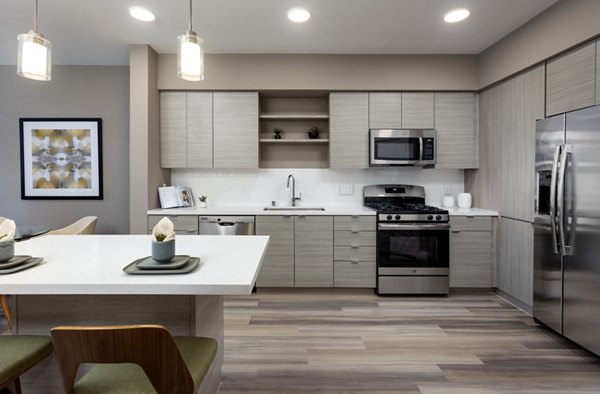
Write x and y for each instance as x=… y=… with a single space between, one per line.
x=402 y=147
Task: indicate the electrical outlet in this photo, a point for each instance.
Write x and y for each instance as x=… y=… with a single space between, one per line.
x=448 y=189
x=346 y=189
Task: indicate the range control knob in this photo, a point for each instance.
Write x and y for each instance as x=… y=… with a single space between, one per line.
x=438 y=217
x=397 y=217
x=430 y=217
x=389 y=217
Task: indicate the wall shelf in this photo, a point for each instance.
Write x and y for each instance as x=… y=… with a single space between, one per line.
x=294 y=141
x=294 y=115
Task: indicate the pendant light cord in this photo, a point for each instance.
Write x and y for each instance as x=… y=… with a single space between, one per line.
x=190 y=24
x=35 y=18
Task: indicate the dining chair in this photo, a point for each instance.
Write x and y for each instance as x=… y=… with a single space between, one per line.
x=127 y=359
x=18 y=353
x=84 y=226
x=4 y=300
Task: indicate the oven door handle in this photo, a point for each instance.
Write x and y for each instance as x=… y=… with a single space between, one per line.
x=433 y=226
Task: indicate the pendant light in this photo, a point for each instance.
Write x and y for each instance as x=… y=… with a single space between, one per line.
x=34 y=53
x=190 y=54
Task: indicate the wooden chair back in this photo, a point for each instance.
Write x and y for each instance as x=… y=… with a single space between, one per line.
x=149 y=346
x=84 y=226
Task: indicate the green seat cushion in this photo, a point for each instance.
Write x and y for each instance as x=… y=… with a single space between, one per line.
x=18 y=353
x=114 y=379
x=197 y=353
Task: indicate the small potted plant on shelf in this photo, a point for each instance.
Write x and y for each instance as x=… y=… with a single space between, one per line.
x=313 y=133
x=202 y=201
x=278 y=132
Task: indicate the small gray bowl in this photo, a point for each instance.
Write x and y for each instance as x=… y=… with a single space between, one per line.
x=7 y=250
x=163 y=252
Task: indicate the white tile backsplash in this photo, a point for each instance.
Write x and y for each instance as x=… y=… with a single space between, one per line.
x=318 y=186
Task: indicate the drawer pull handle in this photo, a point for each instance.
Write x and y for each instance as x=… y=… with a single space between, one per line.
x=470 y=217
x=355 y=231
x=355 y=246
x=355 y=261
x=354 y=216
x=456 y=231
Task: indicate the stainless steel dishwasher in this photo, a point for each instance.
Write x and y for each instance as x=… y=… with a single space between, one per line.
x=226 y=225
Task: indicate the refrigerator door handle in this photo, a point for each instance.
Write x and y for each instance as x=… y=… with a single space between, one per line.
x=560 y=199
x=553 y=199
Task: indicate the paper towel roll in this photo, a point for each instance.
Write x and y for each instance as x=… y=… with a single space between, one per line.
x=464 y=200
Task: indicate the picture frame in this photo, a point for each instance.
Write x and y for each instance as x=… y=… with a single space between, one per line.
x=61 y=158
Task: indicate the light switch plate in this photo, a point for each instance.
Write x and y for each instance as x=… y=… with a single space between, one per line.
x=448 y=189
x=346 y=189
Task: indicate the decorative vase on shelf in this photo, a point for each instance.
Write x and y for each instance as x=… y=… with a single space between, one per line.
x=277 y=133
x=313 y=133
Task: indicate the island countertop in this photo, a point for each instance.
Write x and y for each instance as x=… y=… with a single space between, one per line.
x=93 y=264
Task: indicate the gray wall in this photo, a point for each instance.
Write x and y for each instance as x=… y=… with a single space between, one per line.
x=564 y=25
x=326 y=72
x=75 y=91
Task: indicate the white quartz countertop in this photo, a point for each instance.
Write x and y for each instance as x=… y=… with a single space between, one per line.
x=470 y=212
x=93 y=264
x=329 y=210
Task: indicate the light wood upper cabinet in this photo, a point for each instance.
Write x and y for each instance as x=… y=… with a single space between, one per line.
x=349 y=130
x=598 y=72
x=314 y=251
x=235 y=129
x=385 y=110
x=456 y=132
x=199 y=129
x=571 y=80
x=417 y=110
x=173 y=130
x=277 y=269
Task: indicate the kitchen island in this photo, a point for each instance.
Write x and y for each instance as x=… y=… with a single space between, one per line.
x=81 y=282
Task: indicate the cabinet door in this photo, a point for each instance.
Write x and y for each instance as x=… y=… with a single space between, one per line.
x=235 y=129
x=199 y=130
x=173 y=133
x=417 y=110
x=454 y=121
x=385 y=110
x=277 y=269
x=598 y=72
x=349 y=130
x=470 y=258
x=515 y=263
x=314 y=251
x=571 y=80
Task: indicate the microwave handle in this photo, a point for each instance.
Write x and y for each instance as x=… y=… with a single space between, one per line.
x=420 y=148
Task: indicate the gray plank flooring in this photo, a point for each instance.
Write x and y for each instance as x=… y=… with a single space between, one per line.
x=351 y=341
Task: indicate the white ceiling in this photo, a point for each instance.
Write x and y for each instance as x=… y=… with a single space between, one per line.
x=98 y=32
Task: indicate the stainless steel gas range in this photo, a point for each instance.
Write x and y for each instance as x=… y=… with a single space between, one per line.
x=413 y=248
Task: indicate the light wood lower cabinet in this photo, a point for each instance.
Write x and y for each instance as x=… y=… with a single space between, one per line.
x=470 y=252
x=355 y=241
x=183 y=224
x=598 y=72
x=313 y=251
x=515 y=259
x=277 y=269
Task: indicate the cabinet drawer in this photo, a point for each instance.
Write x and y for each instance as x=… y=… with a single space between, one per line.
x=355 y=223
x=187 y=224
x=349 y=274
x=355 y=237
x=351 y=253
x=471 y=223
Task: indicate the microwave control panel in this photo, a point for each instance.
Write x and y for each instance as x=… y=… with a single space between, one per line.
x=428 y=148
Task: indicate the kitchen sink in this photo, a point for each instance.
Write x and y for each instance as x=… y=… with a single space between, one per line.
x=293 y=209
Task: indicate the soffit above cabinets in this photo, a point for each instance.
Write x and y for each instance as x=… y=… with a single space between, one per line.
x=99 y=32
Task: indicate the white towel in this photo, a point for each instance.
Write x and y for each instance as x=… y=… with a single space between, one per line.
x=7 y=230
x=164 y=227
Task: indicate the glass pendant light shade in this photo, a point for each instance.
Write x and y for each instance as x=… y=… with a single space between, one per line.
x=34 y=56
x=190 y=57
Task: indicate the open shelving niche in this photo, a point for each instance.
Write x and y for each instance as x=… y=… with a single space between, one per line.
x=294 y=113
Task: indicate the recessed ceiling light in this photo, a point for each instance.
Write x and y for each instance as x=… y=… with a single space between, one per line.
x=298 y=15
x=141 y=14
x=457 y=15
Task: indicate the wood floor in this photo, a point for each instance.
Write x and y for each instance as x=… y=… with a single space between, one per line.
x=356 y=342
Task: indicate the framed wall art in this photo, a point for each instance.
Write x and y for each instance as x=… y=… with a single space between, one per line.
x=61 y=158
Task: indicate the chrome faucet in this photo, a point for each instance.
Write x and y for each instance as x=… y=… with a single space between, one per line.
x=294 y=198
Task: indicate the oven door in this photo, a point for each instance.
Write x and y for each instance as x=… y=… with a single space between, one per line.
x=413 y=249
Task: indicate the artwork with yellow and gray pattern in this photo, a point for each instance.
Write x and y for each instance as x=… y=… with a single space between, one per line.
x=61 y=158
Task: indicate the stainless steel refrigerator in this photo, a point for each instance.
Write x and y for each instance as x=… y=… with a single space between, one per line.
x=567 y=226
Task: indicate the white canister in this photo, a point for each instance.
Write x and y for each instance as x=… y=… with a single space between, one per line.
x=464 y=200
x=447 y=201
